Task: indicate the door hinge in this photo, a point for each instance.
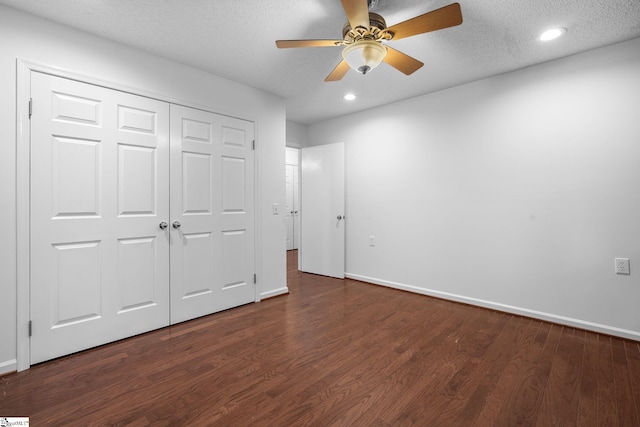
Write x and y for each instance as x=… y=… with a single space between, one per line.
x=253 y=144
x=255 y=278
x=30 y=107
x=30 y=327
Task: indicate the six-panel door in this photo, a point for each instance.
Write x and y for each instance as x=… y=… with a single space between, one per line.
x=212 y=260
x=99 y=174
x=100 y=191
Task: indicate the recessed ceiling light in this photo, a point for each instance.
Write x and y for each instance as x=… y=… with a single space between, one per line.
x=553 y=33
x=349 y=97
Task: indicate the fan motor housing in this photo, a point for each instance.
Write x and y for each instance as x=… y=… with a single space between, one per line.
x=376 y=22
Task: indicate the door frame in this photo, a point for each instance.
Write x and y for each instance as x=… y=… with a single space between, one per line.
x=24 y=68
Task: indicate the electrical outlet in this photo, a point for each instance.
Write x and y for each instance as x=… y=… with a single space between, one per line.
x=622 y=266
x=372 y=240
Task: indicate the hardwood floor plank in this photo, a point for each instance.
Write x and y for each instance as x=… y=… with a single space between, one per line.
x=403 y=377
x=525 y=399
x=606 y=403
x=621 y=377
x=632 y=351
x=340 y=353
x=470 y=398
x=499 y=395
x=364 y=372
x=588 y=395
x=437 y=368
x=560 y=399
x=470 y=348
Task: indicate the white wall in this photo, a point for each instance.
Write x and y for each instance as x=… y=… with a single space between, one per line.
x=37 y=40
x=515 y=192
x=297 y=134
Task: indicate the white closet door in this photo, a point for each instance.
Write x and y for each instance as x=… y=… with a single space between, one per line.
x=99 y=179
x=296 y=207
x=289 y=207
x=212 y=213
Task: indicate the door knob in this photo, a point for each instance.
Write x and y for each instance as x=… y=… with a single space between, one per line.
x=163 y=225
x=339 y=217
x=176 y=224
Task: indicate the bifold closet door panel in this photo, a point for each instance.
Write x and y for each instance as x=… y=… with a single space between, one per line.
x=99 y=191
x=212 y=213
x=142 y=215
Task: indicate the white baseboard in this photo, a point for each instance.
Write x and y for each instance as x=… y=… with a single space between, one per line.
x=8 y=366
x=549 y=317
x=274 y=293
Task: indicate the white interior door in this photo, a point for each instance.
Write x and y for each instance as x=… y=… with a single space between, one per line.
x=289 y=207
x=212 y=213
x=322 y=207
x=99 y=173
x=296 y=206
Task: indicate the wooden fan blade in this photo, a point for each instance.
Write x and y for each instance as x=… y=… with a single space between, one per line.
x=338 y=72
x=438 y=19
x=357 y=12
x=401 y=61
x=307 y=43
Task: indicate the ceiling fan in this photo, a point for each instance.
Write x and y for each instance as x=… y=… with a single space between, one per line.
x=365 y=31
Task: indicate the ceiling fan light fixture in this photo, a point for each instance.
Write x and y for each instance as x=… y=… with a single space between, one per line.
x=364 y=55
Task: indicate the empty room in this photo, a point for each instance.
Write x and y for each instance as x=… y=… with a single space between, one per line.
x=340 y=212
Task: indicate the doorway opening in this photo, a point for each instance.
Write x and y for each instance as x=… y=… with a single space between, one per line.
x=292 y=208
x=315 y=178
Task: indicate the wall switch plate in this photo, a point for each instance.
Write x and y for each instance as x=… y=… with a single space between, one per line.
x=372 y=240
x=622 y=266
x=275 y=208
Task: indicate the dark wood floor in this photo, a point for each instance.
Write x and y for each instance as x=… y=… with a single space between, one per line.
x=343 y=353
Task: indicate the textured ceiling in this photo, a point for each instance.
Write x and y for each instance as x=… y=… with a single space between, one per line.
x=235 y=39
